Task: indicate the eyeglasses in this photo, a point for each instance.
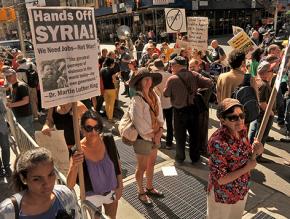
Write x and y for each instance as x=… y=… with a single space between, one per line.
x=89 y=128
x=235 y=118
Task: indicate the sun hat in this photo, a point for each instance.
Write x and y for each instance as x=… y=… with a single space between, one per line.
x=142 y=73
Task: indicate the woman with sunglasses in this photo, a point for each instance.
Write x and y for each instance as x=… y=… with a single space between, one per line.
x=101 y=165
x=232 y=157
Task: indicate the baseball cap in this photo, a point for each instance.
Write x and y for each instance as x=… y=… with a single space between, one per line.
x=8 y=71
x=227 y=104
x=178 y=60
x=265 y=66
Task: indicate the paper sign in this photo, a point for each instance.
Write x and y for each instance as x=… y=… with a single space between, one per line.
x=57 y=146
x=197 y=29
x=65 y=46
x=242 y=42
x=175 y=20
x=169 y=171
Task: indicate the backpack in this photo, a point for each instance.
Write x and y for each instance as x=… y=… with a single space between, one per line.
x=31 y=75
x=246 y=94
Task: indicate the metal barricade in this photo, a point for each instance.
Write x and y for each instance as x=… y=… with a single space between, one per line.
x=21 y=141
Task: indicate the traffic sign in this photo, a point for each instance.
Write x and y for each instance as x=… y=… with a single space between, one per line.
x=175 y=20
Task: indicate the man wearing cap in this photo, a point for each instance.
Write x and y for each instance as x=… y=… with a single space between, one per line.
x=265 y=74
x=158 y=67
x=25 y=65
x=229 y=81
x=185 y=112
x=20 y=101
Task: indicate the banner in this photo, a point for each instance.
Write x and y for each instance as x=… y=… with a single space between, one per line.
x=197 y=29
x=66 y=52
x=242 y=42
x=237 y=29
x=57 y=146
x=175 y=20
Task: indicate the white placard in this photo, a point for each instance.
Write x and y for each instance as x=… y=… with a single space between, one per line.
x=197 y=29
x=65 y=46
x=237 y=29
x=175 y=20
x=57 y=146
x=169 y=171
x=160 y=2
x=114 y=8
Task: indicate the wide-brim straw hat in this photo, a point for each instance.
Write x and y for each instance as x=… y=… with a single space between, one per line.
x=142 y=73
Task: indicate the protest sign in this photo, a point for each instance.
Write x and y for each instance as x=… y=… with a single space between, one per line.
x=175 y=20
x=60 y=152
x=66 y=52
x=242 y=42
x=197 y=29
x=181 y=44
x=237 y=29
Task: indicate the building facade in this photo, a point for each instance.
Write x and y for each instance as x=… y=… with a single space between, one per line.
x=145 y=15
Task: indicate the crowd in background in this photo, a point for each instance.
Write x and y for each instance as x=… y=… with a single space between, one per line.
x=169 y=90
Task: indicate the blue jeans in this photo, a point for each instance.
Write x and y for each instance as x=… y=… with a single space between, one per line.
x=255 y=126
x=27 y=123
x=4 y=143
x=287 y=114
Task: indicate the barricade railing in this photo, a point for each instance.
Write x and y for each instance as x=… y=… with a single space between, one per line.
x=21 y=141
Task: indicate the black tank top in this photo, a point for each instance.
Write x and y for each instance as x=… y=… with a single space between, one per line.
x=64 y=122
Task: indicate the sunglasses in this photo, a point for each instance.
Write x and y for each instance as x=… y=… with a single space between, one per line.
x=89 y=128
x=235 y=118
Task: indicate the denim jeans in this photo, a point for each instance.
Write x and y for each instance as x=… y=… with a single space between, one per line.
x=287 y=115
x=27 y=123
x=4 y=143
x=255 y=126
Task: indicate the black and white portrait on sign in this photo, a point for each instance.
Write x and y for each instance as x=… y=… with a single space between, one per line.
x=54 y=74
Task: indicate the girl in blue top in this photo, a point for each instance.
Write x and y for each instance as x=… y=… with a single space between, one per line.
x=38 y=196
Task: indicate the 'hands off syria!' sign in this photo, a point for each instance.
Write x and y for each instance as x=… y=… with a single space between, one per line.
x=66 y=51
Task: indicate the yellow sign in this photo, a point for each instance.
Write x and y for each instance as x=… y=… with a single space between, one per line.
x=242 y=42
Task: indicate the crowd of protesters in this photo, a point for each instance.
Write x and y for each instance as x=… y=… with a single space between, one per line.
x=169 y=90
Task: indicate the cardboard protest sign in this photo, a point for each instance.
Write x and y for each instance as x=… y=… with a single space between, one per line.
x=181 y=44
x=66 y=51
x=197 y=29
x=175 y=20
x=242 y=42
x=237 y=29
x=60 y=152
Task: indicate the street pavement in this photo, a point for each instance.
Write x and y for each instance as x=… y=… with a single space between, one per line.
x=269 y=195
